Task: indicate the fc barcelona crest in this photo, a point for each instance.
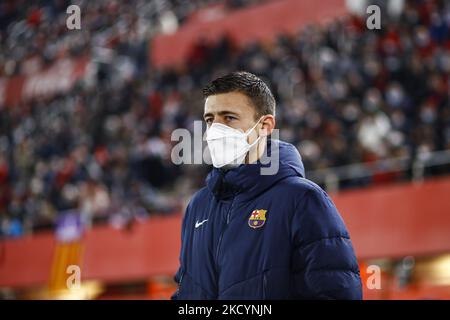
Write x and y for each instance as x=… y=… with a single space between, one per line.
x=257 y=218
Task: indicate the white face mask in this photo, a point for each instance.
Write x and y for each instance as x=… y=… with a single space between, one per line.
x=228 y=146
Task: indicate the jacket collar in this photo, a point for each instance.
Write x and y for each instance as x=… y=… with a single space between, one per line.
x=246 y=181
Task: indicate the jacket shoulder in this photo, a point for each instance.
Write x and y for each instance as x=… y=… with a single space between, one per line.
x=300 y=186
x=199 y=197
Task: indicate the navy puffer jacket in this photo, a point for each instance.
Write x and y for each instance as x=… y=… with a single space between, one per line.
x=252 y=236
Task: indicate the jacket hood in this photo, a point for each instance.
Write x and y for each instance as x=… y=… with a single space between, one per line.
x=247 y=181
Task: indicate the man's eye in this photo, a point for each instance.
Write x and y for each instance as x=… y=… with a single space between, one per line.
x=208 y=121
x=230 y=118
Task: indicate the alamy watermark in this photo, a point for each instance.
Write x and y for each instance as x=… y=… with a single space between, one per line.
x=73 y=281
x=374 y=19
x=191 y=149
x=373 y=282
x=73 y=21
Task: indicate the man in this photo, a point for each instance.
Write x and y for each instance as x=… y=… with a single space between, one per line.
x=252 y=236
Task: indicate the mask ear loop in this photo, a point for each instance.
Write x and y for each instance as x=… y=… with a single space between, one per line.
x=250 y=130
x=256 y=141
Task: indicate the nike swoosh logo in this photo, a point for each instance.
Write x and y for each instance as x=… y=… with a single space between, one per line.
x=198 y=224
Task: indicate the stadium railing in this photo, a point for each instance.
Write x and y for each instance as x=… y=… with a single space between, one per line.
x=413 y=169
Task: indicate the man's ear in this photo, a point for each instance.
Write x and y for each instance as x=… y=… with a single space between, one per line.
x=267 y=125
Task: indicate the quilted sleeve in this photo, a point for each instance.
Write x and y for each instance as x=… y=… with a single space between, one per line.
x=323 y=260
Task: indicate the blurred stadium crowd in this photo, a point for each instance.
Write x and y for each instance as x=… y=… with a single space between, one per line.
x=345 y=95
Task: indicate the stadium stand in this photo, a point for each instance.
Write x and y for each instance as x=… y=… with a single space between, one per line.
x=345 y=95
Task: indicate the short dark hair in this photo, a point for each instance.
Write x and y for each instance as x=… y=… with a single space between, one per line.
x=248 y=84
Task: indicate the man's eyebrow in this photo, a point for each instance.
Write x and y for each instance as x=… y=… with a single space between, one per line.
x=220 y=113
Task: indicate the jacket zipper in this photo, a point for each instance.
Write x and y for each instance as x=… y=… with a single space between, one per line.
x=221 y=234
x=181 y=279
x=264 y=285
x=179 y=285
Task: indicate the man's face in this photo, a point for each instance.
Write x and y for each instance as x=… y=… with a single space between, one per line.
x=232 y=109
